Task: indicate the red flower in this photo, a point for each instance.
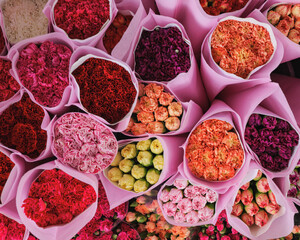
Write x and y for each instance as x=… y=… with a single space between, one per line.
x=10 y=229
x=8 y=85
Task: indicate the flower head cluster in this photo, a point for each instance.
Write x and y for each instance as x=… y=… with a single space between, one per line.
x=162 y=54
x=272 y=139
x=146 y=216
x=104 y=219
x=220 y=231
x=137 y=166
x=217 y=7
x=255 y=202
x=214 y=151
x=286 y=18
x=240 y=47
x=155 y=111
x=44 y=71
x=6 y=165
x=8 y=85
x=56 y=198
x=81 y=19
x=106 y=89
x=122 y=232
x=294 y=177
x=2 y=41
x=191 y=204
x=115 y=31
x=21 y=127
x=84 y=143
x=10 y=229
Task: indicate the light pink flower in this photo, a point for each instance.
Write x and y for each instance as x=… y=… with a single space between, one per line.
x=164 y=196
x=261 y=218
x=211 y=196
x=175 y=195
x=181 y=183
x=272 y=208
x=185 y=205
x=198 y=202
x=179 y=217
x=192 y=217
x=205 y=213
x=201 y=190
x=190 y=192
x=170 y=209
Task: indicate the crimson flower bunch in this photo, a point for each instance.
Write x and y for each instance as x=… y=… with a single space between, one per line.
x=220 y=231
x=255 y=202
x=217 y=7
x=115 y=31
x=21 y=127
x=56 y=198
x=240 y=47
x=8 y=85
x=81 y=19
x=272 y=139
x=10 y=229
x=122 y=232
x=83 y=143
x=44 y=71
x=286 y=18
x=2 y=41
x=294 y=177
x=6 y=165
x=104 y=219
x=162 y=54
x=106 y=89
x=155 y=111
x=185 y=202
x=214 y=151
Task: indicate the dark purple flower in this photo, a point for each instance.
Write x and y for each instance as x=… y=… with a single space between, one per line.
x=294 y=136
x=283 y=125
x=292 y=192
x=294 y=178
x=285 y=152
x=269 y=122
x=254 y=120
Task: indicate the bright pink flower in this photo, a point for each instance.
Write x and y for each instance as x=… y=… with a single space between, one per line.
x=198 y=202
x=170 y=209
x=201 y=190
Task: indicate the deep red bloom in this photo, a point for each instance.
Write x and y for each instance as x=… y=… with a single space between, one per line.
x=10 y=229
x=2 y=41
x=6 y=165
x=8 y=85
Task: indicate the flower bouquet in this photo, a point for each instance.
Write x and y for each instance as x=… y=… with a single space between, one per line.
x=121 y=232
x=56 y=200
x=158 y=111
x=3 y=40
x=83 y=143
x=294 y=191
x=111 y=92
x=11 y=229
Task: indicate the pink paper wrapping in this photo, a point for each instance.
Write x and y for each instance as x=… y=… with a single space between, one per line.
x=91 y=41
x=220 y=203
x=219 y=110
x=59 y=232
x=275 y=226
x=45 y=126
x=190 y=115
x=195 y=20
x=9 y=191
x=78 y=57
x=216 y=79
x=291 y=88
x=4 y=103
x=136 y=8
x=291 y=49
x=14 y=54
x=189 y=82
x=172 y=158
x=266 y=99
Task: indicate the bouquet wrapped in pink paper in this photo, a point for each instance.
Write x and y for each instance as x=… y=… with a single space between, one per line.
x=160 y=51
x=215 y=154
x=11 y=228
x=84 y=22
x=199 y=16
x=269 y=127
x=83 y=143
x=259 y=207
x=56 y=200
x=25 y=128
x=41 y=65
x=103 y=86
x=140 y=165
x=158 y=111
x=233 y=54
x=294 y=189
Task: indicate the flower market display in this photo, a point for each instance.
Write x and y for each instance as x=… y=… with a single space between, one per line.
x=240 y=47
x=214 y=151
x=156 y=111
x=83 y=143
x=137 y=166
x=149 y=120
x=272 y=139
x=286 y=18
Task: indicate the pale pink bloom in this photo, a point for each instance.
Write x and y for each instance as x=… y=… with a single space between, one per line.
x=261 y=218
x=211 y=196
x=170 y=209
x=272 y=208
x=198 y=202
x=175 y=195
x=201 y=190
x=181 y=183
x=164 y=196
x=179 y=217
x=185 y=205
x=190 y=192
x=272 y=197
x=251 y=209
x=246 y=218
x=192 y=217
x=205 y=213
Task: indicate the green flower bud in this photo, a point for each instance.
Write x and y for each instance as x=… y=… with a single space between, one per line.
x=129 y=151
x=116 y=161
x=138 y=171
x=145 y=158
x=152 y=176
x=156 y=147
x=158 y=162
x=141 y=219
x=126 y=182
x=143 y=145
x=126 y=165
x=140 y=185
x=114 y=174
